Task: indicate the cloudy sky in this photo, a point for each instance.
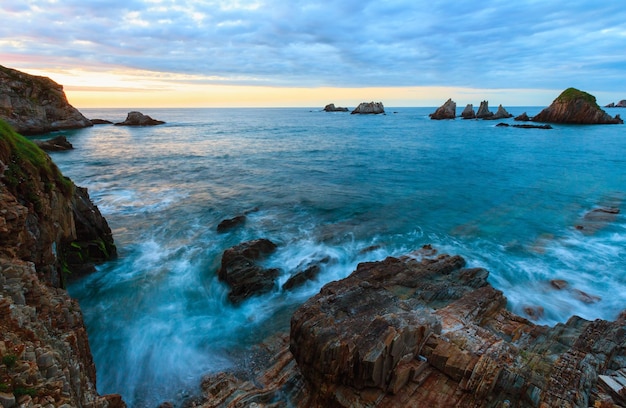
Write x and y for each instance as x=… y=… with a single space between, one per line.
x=284 y=53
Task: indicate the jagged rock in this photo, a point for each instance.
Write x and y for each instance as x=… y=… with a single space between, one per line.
x=522 y=118
x=34 y=104
x=468 y=112
x=331 y=108
x=576 y=107
x=501 y=113
x=610 y=105
x=621 y=104
x=483 y=111
x=101 y=122
x=241 y=271
x=369 y=108
x=445 y=111
x=226 y=225
x=525 y=126
x=59 y=143
x=135 y=118
x=424 y=330
x=305 y=273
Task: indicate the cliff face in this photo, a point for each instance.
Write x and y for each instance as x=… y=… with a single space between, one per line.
x=424 y=330
x=576 y=107
x=34 y=104
x=44 y=352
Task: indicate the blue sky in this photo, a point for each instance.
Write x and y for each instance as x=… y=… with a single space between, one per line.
x=491 y=45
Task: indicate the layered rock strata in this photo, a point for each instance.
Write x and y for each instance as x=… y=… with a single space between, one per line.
x=427 y=331
x=45 y=356
x=34 y=104
x=445 y=111
x=576 y=107
x=369 y=108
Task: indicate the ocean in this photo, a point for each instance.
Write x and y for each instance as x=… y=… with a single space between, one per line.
x=335 y=187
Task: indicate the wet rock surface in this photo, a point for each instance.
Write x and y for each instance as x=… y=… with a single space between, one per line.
x=59 y=143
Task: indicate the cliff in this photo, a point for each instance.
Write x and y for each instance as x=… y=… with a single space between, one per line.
x=33 y=104
x=424 y=330
x=49 y=230
x=576 y=107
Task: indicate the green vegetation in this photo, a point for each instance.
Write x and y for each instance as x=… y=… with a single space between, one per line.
x=571 y=94
x=27 y=165
x=19 y=391
x=9 y=360
x=4 y=387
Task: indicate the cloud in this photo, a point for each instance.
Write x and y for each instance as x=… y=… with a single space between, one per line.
x=499 y=44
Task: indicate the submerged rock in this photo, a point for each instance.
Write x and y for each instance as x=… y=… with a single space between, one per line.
x=59 y=143
x=135 y=118
x=468 y=112
x=373 y=108
x=241 y=271
x=231 y=223
x=576 y=107
x=331 y=108
x=445 y=111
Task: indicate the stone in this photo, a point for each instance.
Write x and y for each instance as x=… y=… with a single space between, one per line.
x=501 y=113
x=576 y=107
x=7 y=400
x=468 y=112
x=332 y=108
x=35 y=105
x=101 y=122
x=231 y=223
x=371 y=108
x=59 y=143
x=241 y=271
x=445 y=111
x=522 y=118
x=135 y=118
x=483 y=111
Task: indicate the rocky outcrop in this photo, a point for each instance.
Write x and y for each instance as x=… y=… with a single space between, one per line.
x=332 y=108
x=483 y=111
x=59 y=143
x=522 y=118
x=620 y=104
x=468 y=112
x=241 y=271
x=33 y=104
x=101 y=122
x=501 y=113
x=445 y=111
x=425 y=330
x=231 y=223
x=525 y=126
x=367 y=108
x=45 y=356
x=135 y=118
x=576 y=107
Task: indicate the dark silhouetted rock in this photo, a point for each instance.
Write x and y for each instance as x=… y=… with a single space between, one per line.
x=445 y=111
x=101 y=122
x=576 y=107
x=34 y=104
x=369 y=108
x=332 y=108
x=231 y=223
x=483 y=111
x=241 y=271
x=522 y=118
x=59 y=143
x=468 y=112
x=139 y=119
x=525 y=126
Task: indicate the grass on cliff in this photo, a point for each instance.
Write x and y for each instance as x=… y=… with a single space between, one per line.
x=26 y=165
x=571 y=94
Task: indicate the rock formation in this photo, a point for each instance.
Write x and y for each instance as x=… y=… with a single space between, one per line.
x=468 y=112
x=525 y=126
x=620 y=104
x=59 y=143
x=424 y=330
x=522 y=118
x=445 y=111
x=576 y=107
x=501 y=113
x=241 y=271
x=135 y=118
x=33 y=104
x=332 y=108
x=369 y=108
x=101 y=122
x=45 y=356
x=483 y=111
x=230 y=223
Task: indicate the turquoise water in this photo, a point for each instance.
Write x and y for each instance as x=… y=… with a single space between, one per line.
x=327 y=185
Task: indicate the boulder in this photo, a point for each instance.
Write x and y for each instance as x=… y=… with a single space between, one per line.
x=241 y=270
x=135 y=118
x=332 y=108
x=468 y=112
x=445 y=111
x=59 y=143
x=34 y=104
x=483 y=111
x=367 y=108
x=576 y=107
x=231 y=223
x=101 y=122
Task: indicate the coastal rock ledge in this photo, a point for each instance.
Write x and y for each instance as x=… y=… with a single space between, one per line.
x=425 y=330
x=576 y=107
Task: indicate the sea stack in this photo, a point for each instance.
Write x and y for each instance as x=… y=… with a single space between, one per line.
x=135 y=118
x=445 y=111
x=369 y=108
x=576 y=107
x=332 y=108
x=468 y=112
x=483 y=111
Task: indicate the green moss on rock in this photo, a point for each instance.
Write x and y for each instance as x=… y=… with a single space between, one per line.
x=572 y=94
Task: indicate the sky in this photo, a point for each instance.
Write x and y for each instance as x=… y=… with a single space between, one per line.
x=203 y=53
